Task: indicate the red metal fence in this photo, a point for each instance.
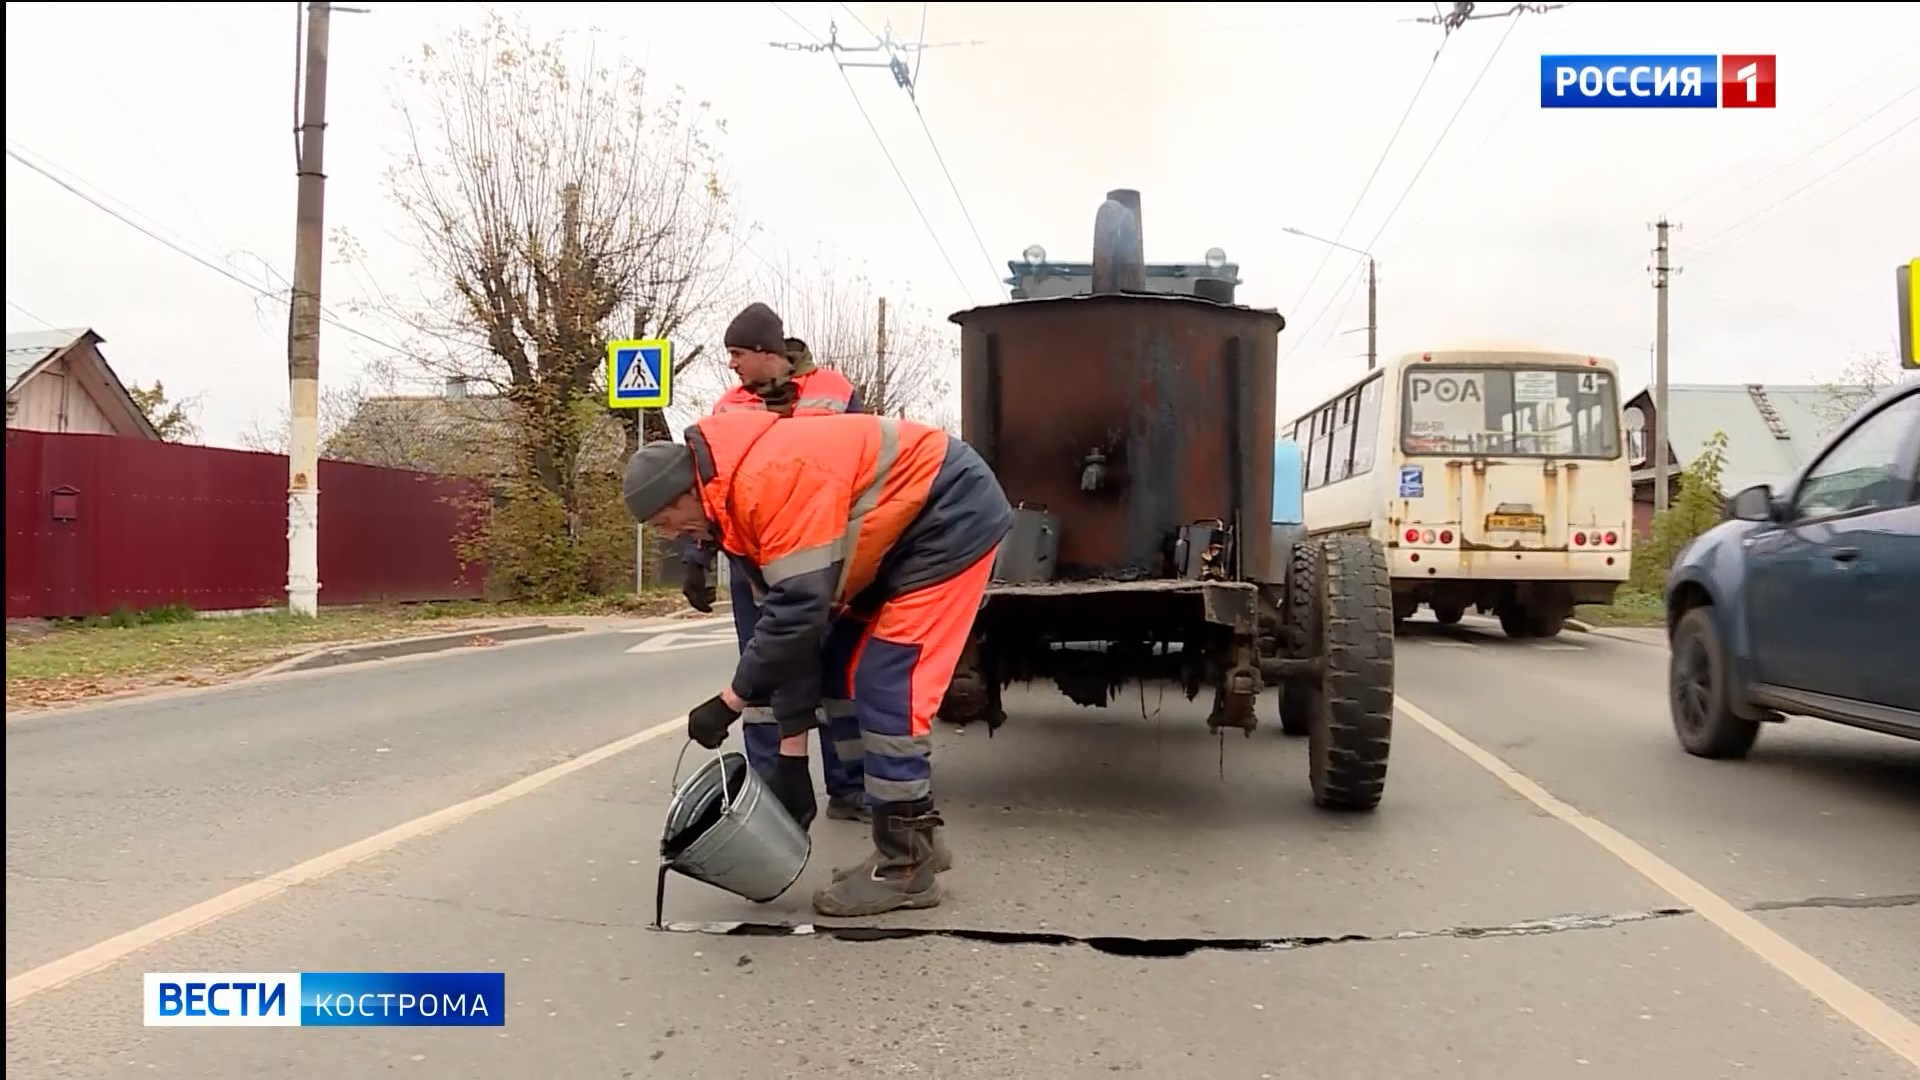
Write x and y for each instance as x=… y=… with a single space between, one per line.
x=96 y=523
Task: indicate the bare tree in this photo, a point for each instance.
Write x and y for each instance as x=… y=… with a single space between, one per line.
x=1857 y=382
x=553 y=207
x=338 y=406
x=837 y=313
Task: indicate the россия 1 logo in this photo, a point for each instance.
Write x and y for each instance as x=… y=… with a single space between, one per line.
x=1705 y=81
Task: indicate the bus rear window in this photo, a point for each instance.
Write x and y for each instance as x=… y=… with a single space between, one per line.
x=1510 y=412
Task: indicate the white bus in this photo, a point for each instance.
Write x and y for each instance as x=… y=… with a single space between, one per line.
x=1496 y=478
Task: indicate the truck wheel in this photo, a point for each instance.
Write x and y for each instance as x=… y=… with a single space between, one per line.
x=1300 y=701
x=1353 y=727
x=1697 y=692
x=1448 y=614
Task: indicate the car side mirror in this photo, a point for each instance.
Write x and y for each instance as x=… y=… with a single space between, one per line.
x=1753 y=504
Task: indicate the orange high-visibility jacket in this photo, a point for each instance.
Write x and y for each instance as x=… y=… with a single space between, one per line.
x=820 y=393
x=827 y=509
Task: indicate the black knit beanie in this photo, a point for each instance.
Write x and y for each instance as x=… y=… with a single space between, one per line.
x=758 y=328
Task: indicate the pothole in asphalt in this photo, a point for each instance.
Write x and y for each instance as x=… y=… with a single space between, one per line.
x=1167 y=947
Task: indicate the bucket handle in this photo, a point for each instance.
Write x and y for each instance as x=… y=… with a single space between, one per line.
x=673 y=784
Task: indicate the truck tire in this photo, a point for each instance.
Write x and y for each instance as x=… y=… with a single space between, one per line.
x=1698 y=695
x=1300 y=701
x=1353 y=727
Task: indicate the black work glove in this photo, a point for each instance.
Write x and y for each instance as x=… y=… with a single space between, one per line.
x=698 y=590
x=792 y=784
x=707 y=724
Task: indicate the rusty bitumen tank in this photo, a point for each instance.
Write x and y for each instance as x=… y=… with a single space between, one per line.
x=1133 y=432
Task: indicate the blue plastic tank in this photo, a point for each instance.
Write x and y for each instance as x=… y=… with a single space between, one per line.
x=1289 y=475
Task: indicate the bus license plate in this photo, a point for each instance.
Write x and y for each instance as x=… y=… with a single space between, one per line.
x=1517 y=522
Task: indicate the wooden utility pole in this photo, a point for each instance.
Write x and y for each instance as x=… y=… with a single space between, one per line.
x=880 y=362
x=303 y=329
x=1661 y=271
x=1373 y=320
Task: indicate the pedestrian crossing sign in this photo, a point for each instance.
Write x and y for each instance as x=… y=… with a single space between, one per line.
x=640 y=374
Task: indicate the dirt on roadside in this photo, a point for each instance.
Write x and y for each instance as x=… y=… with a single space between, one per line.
x=51 y=665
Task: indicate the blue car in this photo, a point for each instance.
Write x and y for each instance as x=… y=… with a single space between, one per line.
x=1806 y=601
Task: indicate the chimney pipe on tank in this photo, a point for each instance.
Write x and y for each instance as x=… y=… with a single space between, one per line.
x=1119 y=245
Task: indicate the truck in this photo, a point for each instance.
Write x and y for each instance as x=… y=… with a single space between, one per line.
x=1129 y=416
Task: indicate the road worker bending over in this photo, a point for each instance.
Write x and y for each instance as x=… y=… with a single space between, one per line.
x=890 y=519
x=777 y=375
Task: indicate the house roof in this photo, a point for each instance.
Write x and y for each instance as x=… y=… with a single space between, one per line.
x=1771 y=430
x=471 y=435
x=26 y=351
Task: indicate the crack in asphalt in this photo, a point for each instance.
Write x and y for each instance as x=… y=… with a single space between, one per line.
x=1816 y=902
x=1152 y=947
x=1173 y=947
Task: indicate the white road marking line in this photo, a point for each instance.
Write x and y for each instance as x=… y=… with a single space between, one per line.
x=673 y=641
x=1898 y=1032
x=94 y=957
x=679 y=625
x=1561 y=648
x=1443 y=643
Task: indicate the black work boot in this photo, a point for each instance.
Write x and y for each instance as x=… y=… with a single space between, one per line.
x=792 y=784
x=900 y=874
x=849 y=808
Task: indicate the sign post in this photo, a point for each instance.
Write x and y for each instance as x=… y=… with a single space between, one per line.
x=1907 y=281
x=640 y=376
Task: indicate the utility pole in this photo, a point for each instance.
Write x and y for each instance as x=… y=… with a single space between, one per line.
x=303 y=329
x=880 y=358
x=1373 y=320
x=640 y=438
x=1662 y=270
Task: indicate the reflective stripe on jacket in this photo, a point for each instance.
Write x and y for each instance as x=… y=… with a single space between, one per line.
x=820 y=393
x=827 y=509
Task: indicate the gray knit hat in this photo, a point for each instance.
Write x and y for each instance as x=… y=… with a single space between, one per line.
x=757 y=327
x=657 y=474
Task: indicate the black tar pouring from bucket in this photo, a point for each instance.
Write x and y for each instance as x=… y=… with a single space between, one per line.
x=725 y=828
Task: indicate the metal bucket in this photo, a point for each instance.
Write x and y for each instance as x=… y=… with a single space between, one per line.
x=725 y=828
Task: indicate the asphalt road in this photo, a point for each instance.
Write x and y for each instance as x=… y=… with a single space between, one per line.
x=1462 y=931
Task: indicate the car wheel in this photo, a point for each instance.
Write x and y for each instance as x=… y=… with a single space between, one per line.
x=1697 y=691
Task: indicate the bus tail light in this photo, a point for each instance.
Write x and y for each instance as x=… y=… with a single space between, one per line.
x=1446 y=536
x=1612 y=539
x=1579 y=539
x=1413 y=536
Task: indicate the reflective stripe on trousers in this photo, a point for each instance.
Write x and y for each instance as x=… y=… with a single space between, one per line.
x=901 y=672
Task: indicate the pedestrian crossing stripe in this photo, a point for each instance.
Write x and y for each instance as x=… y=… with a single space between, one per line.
x=640 y=374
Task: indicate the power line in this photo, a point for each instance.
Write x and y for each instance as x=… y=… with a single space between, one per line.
x=1340 y=234
x=1723 y=174
x=251 y=286
x=1431 y=151
x=1457 y=110
x=1756 y=217
x=898 y=173
x=913 y=85
x=35 y=318
x=1596 y=297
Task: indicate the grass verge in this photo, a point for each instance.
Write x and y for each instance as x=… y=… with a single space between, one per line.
x=78 y=660
x=1628 y=609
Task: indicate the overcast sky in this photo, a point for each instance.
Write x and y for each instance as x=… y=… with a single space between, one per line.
x=1233 y=120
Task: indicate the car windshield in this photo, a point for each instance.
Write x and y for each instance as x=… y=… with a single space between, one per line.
x=1510 y=412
